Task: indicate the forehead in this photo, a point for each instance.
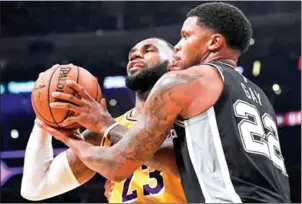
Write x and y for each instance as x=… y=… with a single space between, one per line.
x=159 y=44
x=190 y=24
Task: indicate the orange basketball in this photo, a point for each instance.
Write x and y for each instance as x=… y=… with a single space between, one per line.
x=53 y=80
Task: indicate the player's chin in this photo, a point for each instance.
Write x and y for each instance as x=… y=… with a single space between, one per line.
x=133 y=71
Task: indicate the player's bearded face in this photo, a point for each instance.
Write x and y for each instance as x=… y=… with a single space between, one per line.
x=145 y=79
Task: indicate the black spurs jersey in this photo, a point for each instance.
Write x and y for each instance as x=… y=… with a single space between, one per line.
x=231 y=152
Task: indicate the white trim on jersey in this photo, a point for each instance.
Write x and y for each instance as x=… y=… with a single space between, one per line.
x=221 y=156
x=208 y=159
x=191 y=120
x=193 y=161
x=219 y=69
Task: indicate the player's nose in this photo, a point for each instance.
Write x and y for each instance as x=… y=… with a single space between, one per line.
x=136 y=54
x=177 y=47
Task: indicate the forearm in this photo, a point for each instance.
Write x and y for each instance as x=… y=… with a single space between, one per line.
x=81 y=172
x=93 y=157
x=44 y=176
x=163 y=159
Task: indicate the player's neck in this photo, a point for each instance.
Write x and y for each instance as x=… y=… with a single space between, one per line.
x=227 y=56
x=140 y=101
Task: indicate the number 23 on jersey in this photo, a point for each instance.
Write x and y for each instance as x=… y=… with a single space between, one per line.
x=152 y=187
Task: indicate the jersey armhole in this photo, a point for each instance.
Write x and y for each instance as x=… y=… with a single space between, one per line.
x=219 y=69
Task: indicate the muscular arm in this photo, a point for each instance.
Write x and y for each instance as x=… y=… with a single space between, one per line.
x=167 y=100
x=162 y=160
x=172 y=96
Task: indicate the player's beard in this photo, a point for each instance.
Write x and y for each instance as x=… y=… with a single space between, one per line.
x=146 y=78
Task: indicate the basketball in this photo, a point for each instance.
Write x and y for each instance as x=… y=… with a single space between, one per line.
x=53 y=80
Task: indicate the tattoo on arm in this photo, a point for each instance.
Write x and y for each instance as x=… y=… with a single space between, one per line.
x=163 y=159
x=165 y=102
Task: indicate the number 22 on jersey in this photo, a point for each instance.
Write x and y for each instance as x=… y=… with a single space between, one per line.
x=252 y=131
x=147 y=189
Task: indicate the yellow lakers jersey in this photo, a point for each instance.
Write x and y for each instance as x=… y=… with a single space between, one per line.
x=146 y=185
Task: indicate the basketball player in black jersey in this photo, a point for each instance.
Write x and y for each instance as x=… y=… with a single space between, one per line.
x=227 y=146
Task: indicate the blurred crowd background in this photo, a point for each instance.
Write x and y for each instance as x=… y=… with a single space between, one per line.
x=98 y=35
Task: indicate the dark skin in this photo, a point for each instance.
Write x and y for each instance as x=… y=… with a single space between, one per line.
x=168 y=100
x=149 y=52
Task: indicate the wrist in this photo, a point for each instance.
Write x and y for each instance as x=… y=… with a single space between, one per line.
x=105 y=125
x=109 y=128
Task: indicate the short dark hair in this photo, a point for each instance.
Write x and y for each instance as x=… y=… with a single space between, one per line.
x=227 y=20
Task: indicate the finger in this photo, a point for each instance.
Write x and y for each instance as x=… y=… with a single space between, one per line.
x=67 y=97
x=67 y=65
x=48 y=129
x=38 y=121
x=70 y=120
x=41 y=74
x=79 y=89
x=103 y=103
x=55 y=65
x=67 y=106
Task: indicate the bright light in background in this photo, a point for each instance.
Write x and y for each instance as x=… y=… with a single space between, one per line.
x=289 y=118
x=20 y=87
x=14 y=134
x=256 y=68
x=114 y=82
x=2 y=89
x=277 y=89
x=112 y=102
x=252 y=41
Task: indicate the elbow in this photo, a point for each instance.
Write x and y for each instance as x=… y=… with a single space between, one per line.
x=117 y=175
x=30 y=195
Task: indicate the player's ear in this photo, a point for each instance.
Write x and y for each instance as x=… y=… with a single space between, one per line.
x=216 y=42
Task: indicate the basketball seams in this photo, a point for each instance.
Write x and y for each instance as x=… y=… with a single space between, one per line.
x=48 y=96
x=51 y=81
x=38 y=113
x=74 y=93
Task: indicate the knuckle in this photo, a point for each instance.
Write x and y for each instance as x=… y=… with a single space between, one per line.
x=71 y=97
x=82 y=90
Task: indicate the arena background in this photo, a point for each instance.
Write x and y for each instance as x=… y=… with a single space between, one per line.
x=98 y=35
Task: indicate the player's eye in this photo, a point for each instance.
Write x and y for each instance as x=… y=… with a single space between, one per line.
x=149 y=50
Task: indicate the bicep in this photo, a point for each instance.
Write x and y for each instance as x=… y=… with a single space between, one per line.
x=206 y=92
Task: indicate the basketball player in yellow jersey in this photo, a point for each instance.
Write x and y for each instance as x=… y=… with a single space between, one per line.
x=145 y=67
x=45 y=176
x=146 y=185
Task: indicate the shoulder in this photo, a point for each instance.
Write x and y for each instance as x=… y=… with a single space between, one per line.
x=192 y=77
x=198 y=84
